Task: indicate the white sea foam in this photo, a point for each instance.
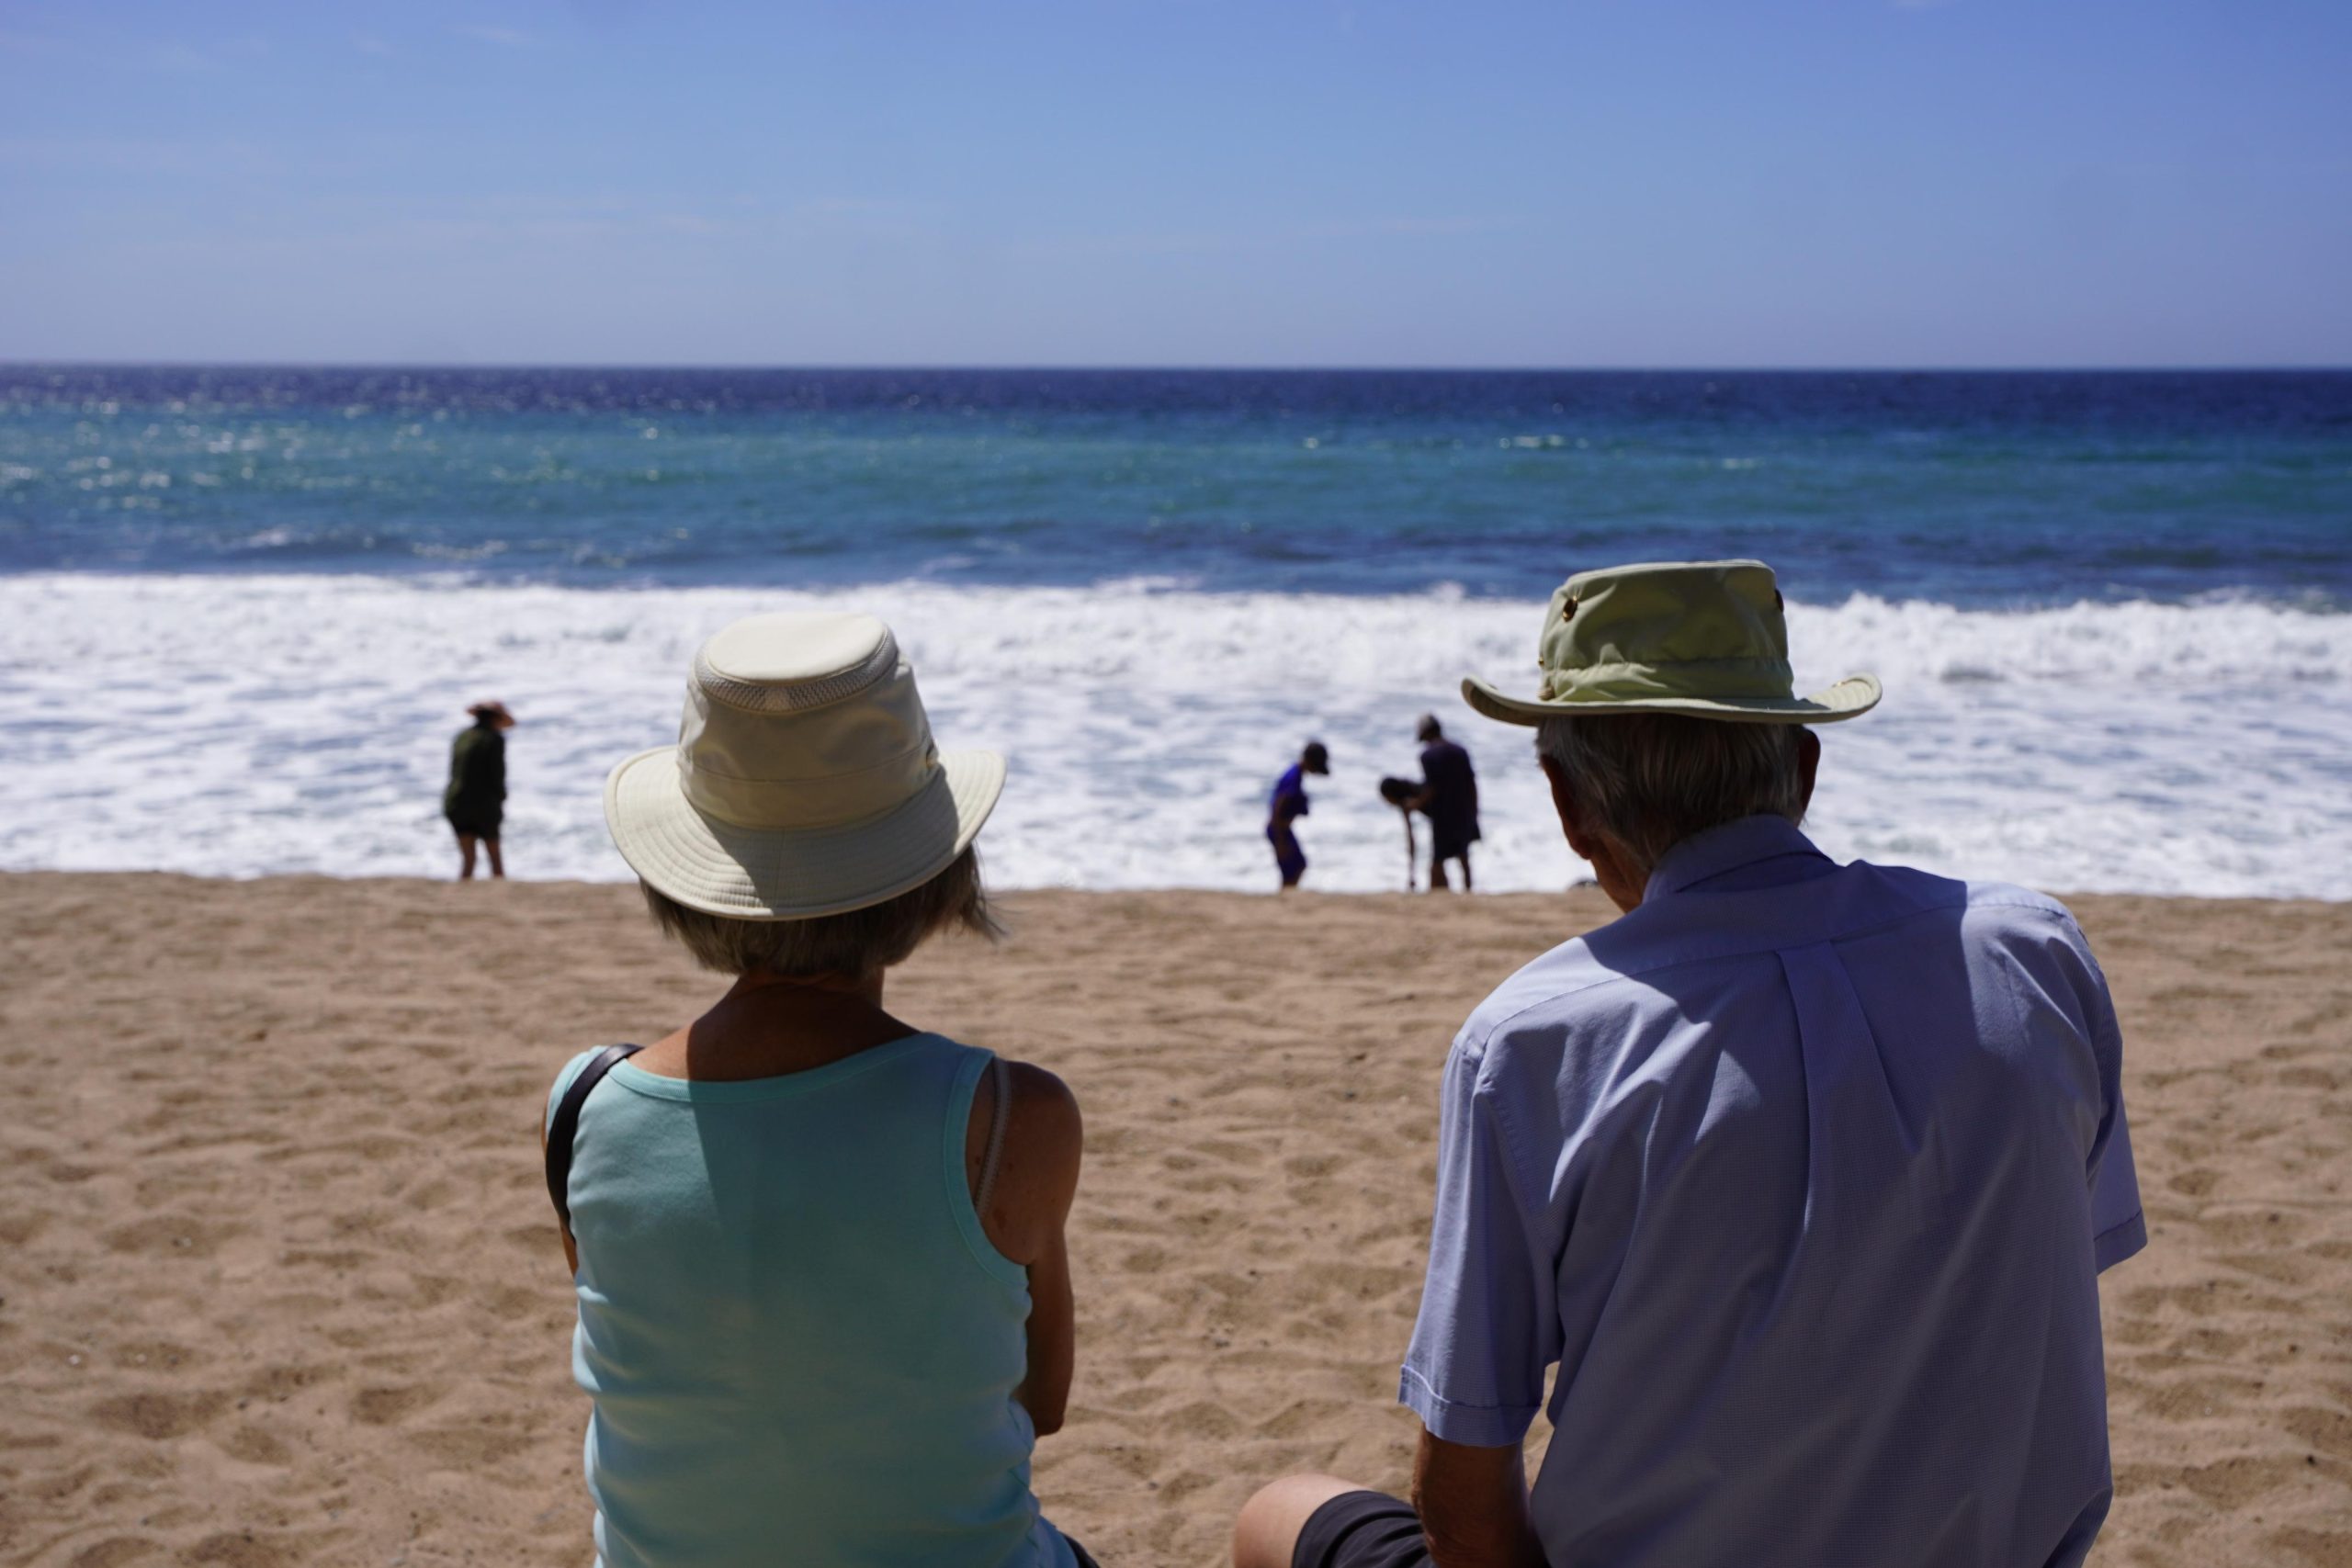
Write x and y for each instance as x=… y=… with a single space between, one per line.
x=250 y=725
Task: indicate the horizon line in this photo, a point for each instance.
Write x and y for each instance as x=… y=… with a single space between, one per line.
x=916 y=368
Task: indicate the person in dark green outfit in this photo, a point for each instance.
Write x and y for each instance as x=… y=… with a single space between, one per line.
x=476 y=797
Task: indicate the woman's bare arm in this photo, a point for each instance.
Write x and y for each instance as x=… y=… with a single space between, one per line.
x=1026 y=1218
x=571 y=1250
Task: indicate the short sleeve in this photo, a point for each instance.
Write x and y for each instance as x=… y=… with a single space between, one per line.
x=2119 y=1226
x=1474 y=1371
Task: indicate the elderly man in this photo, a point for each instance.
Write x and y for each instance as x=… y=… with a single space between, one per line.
x=1802 y=1174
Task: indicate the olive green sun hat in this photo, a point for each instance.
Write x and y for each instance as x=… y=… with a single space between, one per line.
x=1702 y=638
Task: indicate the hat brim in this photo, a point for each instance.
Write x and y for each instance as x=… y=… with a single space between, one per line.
x=1850 y=698
x=759 y=873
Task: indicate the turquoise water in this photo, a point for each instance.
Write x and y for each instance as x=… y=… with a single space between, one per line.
x=1981 y=489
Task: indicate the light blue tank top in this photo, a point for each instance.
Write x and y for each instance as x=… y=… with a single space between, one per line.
x=801 y=1344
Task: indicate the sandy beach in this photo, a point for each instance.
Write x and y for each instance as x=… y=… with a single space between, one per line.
x=278 y=1283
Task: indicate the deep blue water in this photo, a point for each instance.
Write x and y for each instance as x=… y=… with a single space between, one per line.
x=1971 y=489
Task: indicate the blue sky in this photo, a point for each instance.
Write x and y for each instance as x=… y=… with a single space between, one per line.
x=1181 y=182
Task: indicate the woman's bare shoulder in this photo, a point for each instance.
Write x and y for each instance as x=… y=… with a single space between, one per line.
x=1036 y=1175
x=1045 y=1105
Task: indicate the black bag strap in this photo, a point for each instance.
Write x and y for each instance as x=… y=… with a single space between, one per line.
x=566 y=1123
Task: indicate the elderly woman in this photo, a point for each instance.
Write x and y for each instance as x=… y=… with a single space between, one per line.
x=824 y=1301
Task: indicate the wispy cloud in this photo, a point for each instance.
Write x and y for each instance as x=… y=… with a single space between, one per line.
x=367 y=44
x=505 y=37
x=859 y=207
x=179 y=57
x=523 y=228
x=129 y=155
x=170 y=55
x=1375 y=228
x=1195 y=241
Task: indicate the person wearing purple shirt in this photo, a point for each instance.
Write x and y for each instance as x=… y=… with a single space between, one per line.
x=1287 y=805
x=1795 y=1181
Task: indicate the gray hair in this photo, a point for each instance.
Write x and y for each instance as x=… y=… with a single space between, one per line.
x=857 y=942
x=1651 y=780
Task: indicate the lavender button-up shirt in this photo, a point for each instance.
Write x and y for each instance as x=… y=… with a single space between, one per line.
x=1803 y=1174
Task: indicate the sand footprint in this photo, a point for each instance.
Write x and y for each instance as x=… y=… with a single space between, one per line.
x=384 y=1405
x=159 y=1415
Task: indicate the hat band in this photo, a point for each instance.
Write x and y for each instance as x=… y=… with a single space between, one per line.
x=837 y=800
x=1698 y=678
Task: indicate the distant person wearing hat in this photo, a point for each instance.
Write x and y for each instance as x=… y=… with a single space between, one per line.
x=1801 y=1174
x=1287 y=805
x=1449 y=797
x=803 y=1345
x=475 y=801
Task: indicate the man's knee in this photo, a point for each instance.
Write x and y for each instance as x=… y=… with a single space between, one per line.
x=1266 y=1532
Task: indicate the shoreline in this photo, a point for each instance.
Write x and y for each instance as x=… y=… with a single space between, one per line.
x=2217 y=901
x=279 y=1285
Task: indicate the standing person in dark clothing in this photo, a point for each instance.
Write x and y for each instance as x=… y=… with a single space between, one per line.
x=1287 y=805
x=1450 y=798
x=476 y=798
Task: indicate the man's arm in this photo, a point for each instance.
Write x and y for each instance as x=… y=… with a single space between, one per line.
x=1473 y=1504
x=1486 y=1331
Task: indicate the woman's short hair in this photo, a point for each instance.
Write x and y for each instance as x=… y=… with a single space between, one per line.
x=1651 y=780
x=859 y=941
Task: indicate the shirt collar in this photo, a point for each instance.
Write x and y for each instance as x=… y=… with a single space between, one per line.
x=1718 y=851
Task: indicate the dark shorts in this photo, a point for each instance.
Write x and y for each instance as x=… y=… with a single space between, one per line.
x=1085 y=1560
x=483 y=825
x=1362 y=1529
x=1452 y=832
x=1289 y=859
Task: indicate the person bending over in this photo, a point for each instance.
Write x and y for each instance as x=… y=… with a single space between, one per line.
x=824 y=1298
x=1801 y=1174
x=1287 y=805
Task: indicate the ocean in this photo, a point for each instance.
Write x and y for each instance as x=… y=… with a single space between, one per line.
x=242 y=610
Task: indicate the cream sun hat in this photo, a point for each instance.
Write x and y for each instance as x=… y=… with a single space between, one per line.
x=1705 y=638
x=804 y=781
